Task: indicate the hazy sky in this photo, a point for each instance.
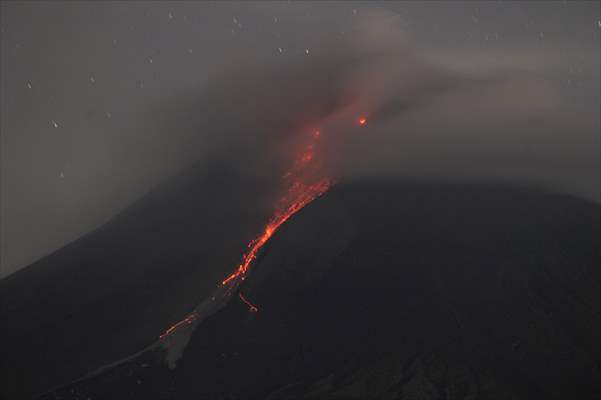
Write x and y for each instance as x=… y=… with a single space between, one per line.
x=100 y=101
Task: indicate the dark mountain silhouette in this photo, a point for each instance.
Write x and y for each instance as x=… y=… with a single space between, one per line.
x=114 y=291
x=400 y=291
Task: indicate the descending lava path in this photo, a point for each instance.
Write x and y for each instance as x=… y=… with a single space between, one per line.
x=306 y=194
x=250 y=305
x=303 y=194
x=302 y=190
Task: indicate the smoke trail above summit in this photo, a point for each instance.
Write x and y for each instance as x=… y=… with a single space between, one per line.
x=509 y=95
x=428 y=117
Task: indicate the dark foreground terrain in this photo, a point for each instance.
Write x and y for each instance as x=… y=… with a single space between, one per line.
x=374 y=291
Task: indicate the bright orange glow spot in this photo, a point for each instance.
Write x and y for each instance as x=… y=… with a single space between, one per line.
x=251 y=306
x=362 y=121
x=304 y=187
x=307 y=157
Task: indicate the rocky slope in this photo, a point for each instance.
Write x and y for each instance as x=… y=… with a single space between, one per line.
x=400 y=291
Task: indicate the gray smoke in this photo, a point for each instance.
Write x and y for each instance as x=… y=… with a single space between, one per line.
x=140 y=92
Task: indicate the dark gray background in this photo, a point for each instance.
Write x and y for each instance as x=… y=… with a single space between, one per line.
x=463 y=90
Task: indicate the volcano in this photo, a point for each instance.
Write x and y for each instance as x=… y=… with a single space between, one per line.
x=375 y=290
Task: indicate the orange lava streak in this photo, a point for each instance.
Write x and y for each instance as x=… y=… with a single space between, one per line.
x=189 y=319
x=305 y=195
x=251 y=306
x=299 y=194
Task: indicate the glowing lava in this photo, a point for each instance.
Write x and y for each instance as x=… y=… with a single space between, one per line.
x=251 y=306
x=299 y=195
x=303 y=188
x=304 y=195
x=362 y=121
x=189 y=319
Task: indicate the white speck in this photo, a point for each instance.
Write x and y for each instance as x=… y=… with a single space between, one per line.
x=235 y=20
x=29 y=85
x=190 y=51
x=141 y=85
x=108 y=114
x=275 y=20
x=599 y=23
x=62 y=175
x=92 y=80
x=54 y=123
x=139 y=382
x=541 y=35
x=149 y=60
x=280 y=49
x=170 y=15
x=354 y=11
x=114 y=42
x=306 y=51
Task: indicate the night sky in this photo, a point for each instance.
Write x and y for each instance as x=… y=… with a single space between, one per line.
x=100 y=101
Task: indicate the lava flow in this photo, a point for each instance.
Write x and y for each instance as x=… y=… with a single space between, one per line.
x=187 y=321
x=302 y=190
x=303 y=195
x=250 y=305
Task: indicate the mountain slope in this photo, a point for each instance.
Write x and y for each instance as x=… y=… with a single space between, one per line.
x=114 y=291
x=401 y=291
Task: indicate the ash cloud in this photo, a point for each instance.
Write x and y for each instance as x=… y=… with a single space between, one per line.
x=427 y=117
x=431 y=119
x=238 y=84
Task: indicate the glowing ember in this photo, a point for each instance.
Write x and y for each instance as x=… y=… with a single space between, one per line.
x=362 y=121
x=307 y=157
x=251 y=306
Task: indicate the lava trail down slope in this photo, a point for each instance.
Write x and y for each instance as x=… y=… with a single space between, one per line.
x=397 y=290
